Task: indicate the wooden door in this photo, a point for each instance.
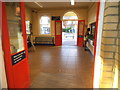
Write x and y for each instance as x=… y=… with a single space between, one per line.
x=58 y=33
x=80 y=36
x=15 y=45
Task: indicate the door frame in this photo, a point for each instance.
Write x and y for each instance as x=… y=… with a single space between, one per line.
x=96 y=48
x=77 y=27
x=57 y=43
x=83 y=31
x=9 y=68
x=3 y=81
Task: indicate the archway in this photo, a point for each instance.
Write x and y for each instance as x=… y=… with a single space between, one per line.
x=69 y=29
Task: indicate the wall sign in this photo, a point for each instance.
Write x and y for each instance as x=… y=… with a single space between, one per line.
x=18 y=57
x=55 y=18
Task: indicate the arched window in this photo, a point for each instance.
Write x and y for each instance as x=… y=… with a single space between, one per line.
x=45 y=25
x=70 y=21
x=70 y=15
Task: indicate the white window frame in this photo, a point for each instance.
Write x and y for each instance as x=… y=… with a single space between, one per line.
x=40 y=25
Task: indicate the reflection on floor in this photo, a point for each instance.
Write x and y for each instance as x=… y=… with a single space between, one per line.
x=69 y=42
x=60 y=67
x=69 y=39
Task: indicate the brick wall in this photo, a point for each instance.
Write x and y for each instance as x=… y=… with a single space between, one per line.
x=110 y=46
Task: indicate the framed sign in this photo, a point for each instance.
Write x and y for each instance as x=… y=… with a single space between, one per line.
x=18 y=57
x=55 y=18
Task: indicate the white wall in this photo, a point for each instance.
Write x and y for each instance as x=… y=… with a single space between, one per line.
x=92 y=13
x=97 y=66
x=3 y=83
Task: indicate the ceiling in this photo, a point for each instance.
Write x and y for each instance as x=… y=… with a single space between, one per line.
x=54 y=5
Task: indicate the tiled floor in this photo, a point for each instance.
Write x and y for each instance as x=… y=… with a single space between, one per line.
x=60 y=67
x=69 y=42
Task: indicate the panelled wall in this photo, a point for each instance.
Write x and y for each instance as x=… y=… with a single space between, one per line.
x=110 y=46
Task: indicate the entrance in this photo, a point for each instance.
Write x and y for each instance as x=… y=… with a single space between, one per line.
x=69 y=29
x=15 y=45
x=69 y=33
x=45 y=66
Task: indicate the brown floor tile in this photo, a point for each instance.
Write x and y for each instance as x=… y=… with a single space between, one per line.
x=60 y=67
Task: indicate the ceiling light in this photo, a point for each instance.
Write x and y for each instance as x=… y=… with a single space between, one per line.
x=38 y=4
x=72 y=2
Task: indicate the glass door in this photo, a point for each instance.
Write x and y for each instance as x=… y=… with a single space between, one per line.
x=15 y=27
x=15 y=45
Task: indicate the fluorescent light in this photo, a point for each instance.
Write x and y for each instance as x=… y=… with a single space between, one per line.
x=38 y=4
x=72 y=2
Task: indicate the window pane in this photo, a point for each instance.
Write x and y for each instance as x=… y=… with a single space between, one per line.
x=45 y=25
x=14 y=27
x=28 y=27
x=70 y=17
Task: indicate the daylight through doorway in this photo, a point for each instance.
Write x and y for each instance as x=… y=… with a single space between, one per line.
x=69 y=33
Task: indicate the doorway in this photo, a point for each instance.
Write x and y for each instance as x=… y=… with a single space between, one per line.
x=69 y=33
x=69 y=29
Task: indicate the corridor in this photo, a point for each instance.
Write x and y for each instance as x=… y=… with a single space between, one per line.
x=61 y=44
x=60 y=67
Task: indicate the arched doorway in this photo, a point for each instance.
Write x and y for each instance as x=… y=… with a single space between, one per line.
x=69 y=29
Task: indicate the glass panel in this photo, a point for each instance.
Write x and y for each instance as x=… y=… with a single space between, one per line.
x=28 y=27
x=14 y=27
x=58 y=28
x=70 y=17
x=81 y=28
x=93 y=29
x=45 y=25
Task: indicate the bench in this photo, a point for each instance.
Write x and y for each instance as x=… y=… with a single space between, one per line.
x=44 y=40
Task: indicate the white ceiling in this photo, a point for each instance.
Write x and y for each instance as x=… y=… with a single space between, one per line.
x=53 y=5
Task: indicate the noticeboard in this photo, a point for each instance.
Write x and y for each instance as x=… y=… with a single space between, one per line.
x=55 y=18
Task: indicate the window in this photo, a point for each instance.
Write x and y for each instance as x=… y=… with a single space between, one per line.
x=28 y=27
x=15 y=27
x=70 y=15
x=45 y=25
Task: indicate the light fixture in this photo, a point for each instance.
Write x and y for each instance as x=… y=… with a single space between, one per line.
x=38 y=4
x=72 y=2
